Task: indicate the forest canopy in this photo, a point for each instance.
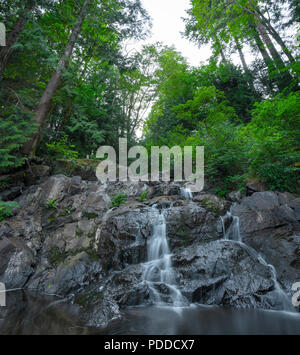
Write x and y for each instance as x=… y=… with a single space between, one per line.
x=68 y=86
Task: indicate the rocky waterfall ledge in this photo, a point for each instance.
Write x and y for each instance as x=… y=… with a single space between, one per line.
x=94 y=256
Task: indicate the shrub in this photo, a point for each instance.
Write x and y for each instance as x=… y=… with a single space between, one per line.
x=144 y=196
x=118 y=199
x=6 y=209
x=51 y=205
x=16 y=127
x=62 y=149
x=273 y=138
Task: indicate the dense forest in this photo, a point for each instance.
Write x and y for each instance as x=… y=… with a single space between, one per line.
x=68 y=86
x=153 y=255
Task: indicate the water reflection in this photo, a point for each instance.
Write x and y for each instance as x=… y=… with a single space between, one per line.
x=28 y=313
x=206 y=321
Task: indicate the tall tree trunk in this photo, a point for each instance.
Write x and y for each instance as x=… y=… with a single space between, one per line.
x=281 y=43
x=245 y=66
x=241 y=54
x=265 y=55
x=268 y=26
x=220 y=48
x=261 y=47
x=42 y=109
x=285 y=77
x=273 y=51
x=255 y=11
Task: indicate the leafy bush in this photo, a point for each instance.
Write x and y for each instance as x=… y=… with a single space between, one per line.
x=62 y=149
x=118 y=199
x=16 y=127
x=6 y=209
x=273 y=138
x=279 y=176
x=51 y=205
x=144 y=196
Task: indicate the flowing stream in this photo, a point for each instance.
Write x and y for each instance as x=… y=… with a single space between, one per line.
x=186 y=193
x=159 y=274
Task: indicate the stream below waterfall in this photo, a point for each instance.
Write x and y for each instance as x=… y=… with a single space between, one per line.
x=30 y=313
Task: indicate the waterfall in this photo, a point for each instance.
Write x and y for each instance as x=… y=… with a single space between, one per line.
x=186 y=193
x=233 y=233
x=158 y=273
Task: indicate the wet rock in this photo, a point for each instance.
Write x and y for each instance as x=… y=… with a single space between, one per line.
x=270 y=224
x=225 y=273
x=73 y=275
x=129 y=188
x=212 y=203
x=122 y=238
x=254 y=186
x=189 y=223
x=235 y=196
x=66 y=240
x=295 y=205
x=85 y=168
x=17 y=263
x=279 y=247
x=12 y=193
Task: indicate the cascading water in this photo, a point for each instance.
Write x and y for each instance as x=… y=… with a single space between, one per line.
x=233 y=234
x=159 y=274
x=186 y=193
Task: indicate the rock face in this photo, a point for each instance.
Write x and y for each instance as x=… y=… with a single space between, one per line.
x=226 y=273
x=269 y=223
x=65 y=239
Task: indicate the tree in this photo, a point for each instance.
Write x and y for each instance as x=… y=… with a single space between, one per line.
x=42 y=109
x=22 y=12
x=122 y=20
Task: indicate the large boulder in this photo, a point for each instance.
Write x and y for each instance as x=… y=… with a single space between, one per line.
x=269 y=223
x=122 y=237
x=264 y=210
x=189 y=223
x=226 y=273
x=255 y=186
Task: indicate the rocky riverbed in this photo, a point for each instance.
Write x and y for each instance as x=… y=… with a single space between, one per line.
x=65 y=240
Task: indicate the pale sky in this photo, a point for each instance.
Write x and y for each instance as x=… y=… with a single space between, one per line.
x=167 y=25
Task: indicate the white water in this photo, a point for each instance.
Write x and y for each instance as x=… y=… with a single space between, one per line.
x=159 y=274
x=233 y=233
x=186 y=193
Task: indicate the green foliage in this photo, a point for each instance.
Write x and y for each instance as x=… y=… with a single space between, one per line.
x=93 y=102
x=6 y=209
x=279 y=176
x=62 y=149
x=236 y=85
x=266 y=147
x=144 y=196
x=273 y=138
x=51 y=205
x=4 y=184
x=118 y=199
x=15 y=129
